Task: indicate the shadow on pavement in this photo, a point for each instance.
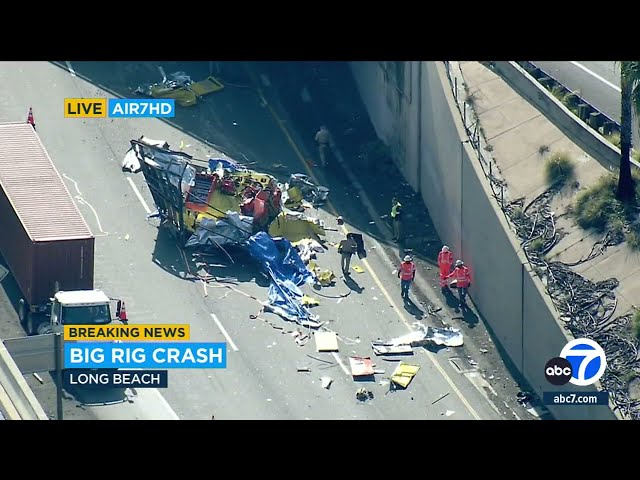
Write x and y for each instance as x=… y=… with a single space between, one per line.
x=237 y=121
x=352 y=284
x=413 y=309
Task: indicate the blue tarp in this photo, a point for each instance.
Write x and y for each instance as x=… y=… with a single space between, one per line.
x=229 y=165
x=287 y=271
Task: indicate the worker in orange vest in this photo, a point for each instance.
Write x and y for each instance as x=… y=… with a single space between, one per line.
x=406 y=274
x=445 y=260
x=462 y=278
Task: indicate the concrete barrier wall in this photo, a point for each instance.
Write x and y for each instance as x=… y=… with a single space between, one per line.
x=17 y=400
x=573 y=127
x=454 y=188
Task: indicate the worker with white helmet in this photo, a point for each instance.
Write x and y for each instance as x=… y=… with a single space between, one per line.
x=406 y=273
x=461 y=280
x=445 y=260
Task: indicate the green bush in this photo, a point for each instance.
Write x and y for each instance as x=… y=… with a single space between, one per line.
x=559 y=92
x=559 y=168
x=635 y=324
x=596 y=207
x=632 y=238
x=614 y=138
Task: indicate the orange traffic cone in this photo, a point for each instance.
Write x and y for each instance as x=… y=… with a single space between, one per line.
x=123 y=312
x=30 y=119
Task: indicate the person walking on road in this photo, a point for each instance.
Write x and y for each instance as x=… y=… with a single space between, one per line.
x=346 y=249
x=406 y=273
x=396 y=219
x=462 y=278
x=325 y=144
x=445 y=260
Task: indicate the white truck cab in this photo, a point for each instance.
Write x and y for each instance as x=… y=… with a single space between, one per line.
x=81 y=307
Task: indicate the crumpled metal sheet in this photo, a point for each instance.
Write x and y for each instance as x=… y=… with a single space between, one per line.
x=234 y=229
x=449 y=337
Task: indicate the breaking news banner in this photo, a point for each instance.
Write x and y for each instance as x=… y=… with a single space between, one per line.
x=119 y=107
x=93 y=333
x=146 y=356
x=97 y=379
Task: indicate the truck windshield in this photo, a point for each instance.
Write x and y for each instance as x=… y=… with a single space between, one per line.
x=86 y=315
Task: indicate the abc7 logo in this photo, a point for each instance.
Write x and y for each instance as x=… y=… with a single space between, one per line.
x=588 y=366
x=558 y=371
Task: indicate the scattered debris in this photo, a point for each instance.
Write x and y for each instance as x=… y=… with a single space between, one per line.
x=358 y=269
x=340 y=220
x=126 y=237
x=361 y=366
x=449 y=337
x=404 y=373
x=524 y=397
x=326 y=382
x=448 y=413
x=440 y=398
x=303 y=369
x=309 y=301
x=483 y=350
x=363 y=394
x=386 y=349
x=319 y=359
x=384 y=383
x=39 y=378
x=326 y=341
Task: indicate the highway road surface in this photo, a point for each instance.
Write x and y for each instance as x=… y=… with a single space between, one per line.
x=598 y=82
x=139 y=262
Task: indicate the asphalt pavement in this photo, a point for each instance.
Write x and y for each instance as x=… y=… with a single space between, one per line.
x=138 y=261
x=598 y=82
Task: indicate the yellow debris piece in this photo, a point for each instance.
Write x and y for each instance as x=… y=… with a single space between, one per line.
x=404 y=373
x=312 y=302
x=325 y=277
x=311 y=266
x=358 y=269
x=206 y=86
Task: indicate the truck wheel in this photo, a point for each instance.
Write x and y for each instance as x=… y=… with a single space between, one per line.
x=23 y=309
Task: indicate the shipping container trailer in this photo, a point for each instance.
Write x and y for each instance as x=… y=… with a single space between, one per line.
x=44 y=239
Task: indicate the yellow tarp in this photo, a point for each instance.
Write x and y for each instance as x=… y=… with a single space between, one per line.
x=187 y=96
x=182 y=96
x=295 y=227
x=404 y=373
x=358 y=269
x=206 y=86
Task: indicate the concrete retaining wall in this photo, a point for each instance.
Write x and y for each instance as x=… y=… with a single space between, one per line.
x=449 y=177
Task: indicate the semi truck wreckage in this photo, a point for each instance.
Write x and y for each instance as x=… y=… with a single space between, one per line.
x=220 y=204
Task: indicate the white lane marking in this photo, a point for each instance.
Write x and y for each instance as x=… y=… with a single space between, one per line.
x=265 y=80
x=224 y=332
x=139 y=195
x=95 y=214
x=75 y=184
x=596 y=76
x=161 y=70
x=163 y=401
x=70 y=68
x=82 y=201
x=342 y=365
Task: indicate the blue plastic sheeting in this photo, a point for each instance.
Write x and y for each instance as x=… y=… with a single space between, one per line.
x=287 y=271
x=229 y=165
x=281 y=257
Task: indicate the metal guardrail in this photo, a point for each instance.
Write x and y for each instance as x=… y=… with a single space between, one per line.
x=609 y=124
x=17 y=401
